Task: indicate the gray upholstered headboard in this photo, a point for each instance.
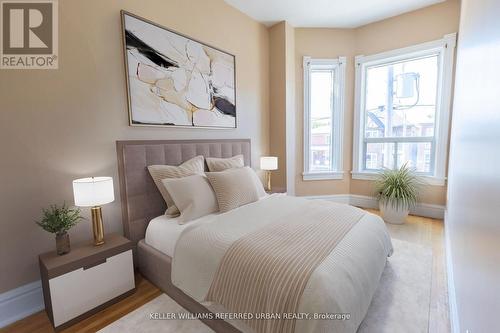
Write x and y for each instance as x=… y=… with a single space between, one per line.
x=141 y=201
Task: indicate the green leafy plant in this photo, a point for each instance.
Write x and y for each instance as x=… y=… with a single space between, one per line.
x=398 y=188
x=58 y=220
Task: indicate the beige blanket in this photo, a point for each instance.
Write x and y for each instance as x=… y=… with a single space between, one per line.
x=267 y=270
x=340 y=279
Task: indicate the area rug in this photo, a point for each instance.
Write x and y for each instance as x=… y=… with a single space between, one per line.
x=402 y=300
x=400 y=304
x=140 y=321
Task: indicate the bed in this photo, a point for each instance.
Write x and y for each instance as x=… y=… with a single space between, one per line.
x=185 y=260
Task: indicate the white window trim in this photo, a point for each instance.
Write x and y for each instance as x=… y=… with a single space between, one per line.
x=339 y=65
x=445 y=47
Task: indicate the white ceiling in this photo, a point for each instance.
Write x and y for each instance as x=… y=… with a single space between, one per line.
x=326 y=13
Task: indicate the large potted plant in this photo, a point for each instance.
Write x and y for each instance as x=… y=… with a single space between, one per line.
x=397 y=193
x=58 y=220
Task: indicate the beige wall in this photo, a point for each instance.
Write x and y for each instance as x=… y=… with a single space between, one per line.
x=419 y=26
x=282 y=96
x=58 y=125
x=415 y=27
x=277 y=102
x=290 y=118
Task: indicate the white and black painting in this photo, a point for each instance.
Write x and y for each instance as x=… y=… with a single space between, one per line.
x=176 y=81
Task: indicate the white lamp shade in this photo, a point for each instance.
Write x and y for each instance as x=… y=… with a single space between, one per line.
x=268 y=163
x=95 y=191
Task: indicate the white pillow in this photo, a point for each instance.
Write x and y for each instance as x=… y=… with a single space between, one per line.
x=160 y=172
x=258 y=183
x=216 y=164
x=192 y=195
x=235 y=187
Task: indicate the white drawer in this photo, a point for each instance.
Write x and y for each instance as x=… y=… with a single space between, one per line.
x=79 y=291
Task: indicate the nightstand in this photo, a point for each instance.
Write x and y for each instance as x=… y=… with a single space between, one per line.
x=86 y=280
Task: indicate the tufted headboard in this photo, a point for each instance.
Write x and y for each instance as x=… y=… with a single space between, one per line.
x=141 y=201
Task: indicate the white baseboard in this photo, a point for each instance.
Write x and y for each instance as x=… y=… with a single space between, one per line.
x=21 y=302
x=340 y=198
x=422 y=209
x=452 y=300
x=363 y=201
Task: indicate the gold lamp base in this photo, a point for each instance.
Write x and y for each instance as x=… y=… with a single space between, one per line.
x=97 y=226
x=268 y=181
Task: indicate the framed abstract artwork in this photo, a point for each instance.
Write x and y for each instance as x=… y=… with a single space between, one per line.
x=174 y=80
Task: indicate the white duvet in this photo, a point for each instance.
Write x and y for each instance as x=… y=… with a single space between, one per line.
x=341 y=286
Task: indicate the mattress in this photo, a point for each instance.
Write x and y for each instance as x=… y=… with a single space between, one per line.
x=163 y=232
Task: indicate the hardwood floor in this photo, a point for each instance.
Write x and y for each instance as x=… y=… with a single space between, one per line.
x=419 y=230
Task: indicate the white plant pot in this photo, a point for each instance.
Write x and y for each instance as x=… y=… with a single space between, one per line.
x=392 y=215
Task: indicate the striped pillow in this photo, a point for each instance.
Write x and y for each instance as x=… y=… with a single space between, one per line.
x=159 y=172
x=233 y=187
x=220 y=164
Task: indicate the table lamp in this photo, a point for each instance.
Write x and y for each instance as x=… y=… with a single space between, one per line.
x=268 y=163
x=94 y=192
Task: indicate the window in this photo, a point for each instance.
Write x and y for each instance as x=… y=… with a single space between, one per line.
x=323 y=117
x=402 y=110
x=372 y=161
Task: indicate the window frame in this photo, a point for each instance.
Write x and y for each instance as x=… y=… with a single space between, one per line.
x=336 y=139
x=445 y=49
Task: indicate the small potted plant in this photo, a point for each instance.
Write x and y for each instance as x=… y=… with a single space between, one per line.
x=397 y=192
x=58 y=220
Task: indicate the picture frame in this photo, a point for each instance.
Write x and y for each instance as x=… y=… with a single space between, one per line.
x=173 y=80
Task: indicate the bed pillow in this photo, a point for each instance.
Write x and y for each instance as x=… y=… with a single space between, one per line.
x=257 y=183
x=234 y=187
x=216 y=164
x=159 y=172
x=192 y=195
